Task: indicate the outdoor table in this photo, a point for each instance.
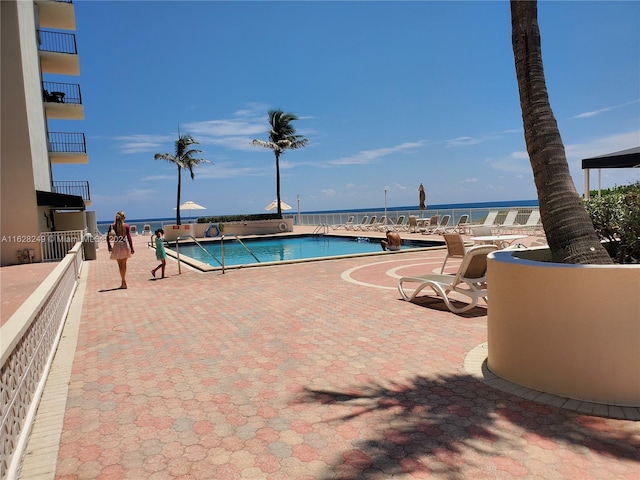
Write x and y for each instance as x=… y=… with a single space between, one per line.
x=501 y=241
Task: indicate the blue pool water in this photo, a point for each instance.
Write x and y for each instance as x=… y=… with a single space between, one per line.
x=282 y=249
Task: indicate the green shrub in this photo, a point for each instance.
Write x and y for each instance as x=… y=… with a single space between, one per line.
x=616 y=218
x=239 y=218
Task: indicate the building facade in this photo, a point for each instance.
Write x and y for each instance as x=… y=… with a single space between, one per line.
x=38 y=49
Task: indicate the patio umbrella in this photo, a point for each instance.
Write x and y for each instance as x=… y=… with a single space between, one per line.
x=273 y=205
x=191 y=206
x=422 y=198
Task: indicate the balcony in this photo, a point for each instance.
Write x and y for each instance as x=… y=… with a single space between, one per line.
x=58 y=53
x=67 y=148
x=63 y=100
x=74 y=187
x=58 y=14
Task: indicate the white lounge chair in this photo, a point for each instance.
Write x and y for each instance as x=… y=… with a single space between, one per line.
x=368 y=226
x=490 y=220
x=481 y=231
x=461 y=225
x=146 y=229
x=347 y=225
x=363 y=222
x=412 y=224
x=509 y=220
x=133 y=230
x=443 y=225
x=398 y=225
x=381 y=225
x=533 y=224
x=469 y=281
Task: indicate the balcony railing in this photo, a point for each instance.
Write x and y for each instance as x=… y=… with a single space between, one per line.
x=67 y=142
x=73 y=187
x=57 y=42
x=56 y=92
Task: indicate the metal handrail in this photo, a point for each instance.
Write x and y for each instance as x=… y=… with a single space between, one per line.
x=322 y=228
x=245 y=247
x=197 y=243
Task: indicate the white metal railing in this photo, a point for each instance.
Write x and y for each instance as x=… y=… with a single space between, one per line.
x=28 y=343
x=55 y=245
x=476 y=215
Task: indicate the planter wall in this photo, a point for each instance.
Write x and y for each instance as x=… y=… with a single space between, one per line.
x=568 y=330
x=254 y=227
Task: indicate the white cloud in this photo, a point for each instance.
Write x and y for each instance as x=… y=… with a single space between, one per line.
x=369 y=156
x=142 y=143
x=594 y=113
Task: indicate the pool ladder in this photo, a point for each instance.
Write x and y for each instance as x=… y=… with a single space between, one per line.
x=220 y=262
x=323 y=229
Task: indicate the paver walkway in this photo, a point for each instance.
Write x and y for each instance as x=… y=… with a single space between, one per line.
x=305 y=371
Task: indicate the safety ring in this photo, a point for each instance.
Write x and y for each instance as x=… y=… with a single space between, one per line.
x=282 y=227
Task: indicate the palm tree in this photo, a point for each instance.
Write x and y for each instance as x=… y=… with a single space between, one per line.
x=282 y=136
x=183 y=158
x=570 y=232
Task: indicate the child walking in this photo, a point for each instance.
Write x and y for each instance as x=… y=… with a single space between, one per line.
x=160 y=253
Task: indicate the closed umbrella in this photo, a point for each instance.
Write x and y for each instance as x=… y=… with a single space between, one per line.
x=273 y=205
x=423 y=197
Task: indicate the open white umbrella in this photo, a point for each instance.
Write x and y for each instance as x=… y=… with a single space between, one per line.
x=273 y=205
x=191 y=206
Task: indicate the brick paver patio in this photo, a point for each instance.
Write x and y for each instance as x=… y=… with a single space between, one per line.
x=306 y=371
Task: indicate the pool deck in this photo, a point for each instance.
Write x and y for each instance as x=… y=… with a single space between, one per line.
x=305 y=371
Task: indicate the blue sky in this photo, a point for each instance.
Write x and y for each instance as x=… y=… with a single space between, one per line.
x=389 y=94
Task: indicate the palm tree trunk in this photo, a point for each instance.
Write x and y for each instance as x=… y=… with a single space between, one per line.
x=278 y=183
x=570 y=232
x=178 y=200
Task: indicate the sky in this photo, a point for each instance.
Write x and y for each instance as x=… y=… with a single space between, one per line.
x=389 y=95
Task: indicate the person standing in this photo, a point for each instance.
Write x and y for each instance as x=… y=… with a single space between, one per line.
x=161 y=254
x=122 y=247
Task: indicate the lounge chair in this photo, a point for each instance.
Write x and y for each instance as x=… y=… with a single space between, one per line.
x=363 y=222
x=368 y=226
x=509 y=220
x=455 y=247
x=398 y=226
x=146 y=229
x=470 y=280
x=533 y=224
x=443 y=225
x=412 y=224
x=381 y=225
x=133 y=230
x=347 y=225
x=431 y=226
x=490 y=220
x=461 y=225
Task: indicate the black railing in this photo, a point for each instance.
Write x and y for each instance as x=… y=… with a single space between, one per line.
x=56 y=92
x=57 y=42
x=73 y=187
x=67 y=142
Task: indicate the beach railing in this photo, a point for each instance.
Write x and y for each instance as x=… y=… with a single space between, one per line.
x=476 y=215
x=28 y=343
x=55 y=245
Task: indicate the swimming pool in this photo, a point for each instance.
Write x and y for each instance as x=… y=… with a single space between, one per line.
x=287 y=249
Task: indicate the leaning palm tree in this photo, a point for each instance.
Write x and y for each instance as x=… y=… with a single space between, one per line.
x=183 y=158
x=568 y=227
x=282 y=136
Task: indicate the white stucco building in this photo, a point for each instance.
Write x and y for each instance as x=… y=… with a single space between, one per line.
x=38 y=47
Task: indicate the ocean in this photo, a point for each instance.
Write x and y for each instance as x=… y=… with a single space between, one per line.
x=156 y=223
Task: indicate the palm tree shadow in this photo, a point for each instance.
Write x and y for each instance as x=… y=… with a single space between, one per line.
x=427 y=425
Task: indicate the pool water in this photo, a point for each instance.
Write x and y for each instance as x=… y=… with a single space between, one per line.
x=283 y=249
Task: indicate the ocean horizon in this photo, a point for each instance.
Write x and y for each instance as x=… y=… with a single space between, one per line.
x=443 y=206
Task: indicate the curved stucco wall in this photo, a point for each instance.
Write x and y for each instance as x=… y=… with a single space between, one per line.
x=568 y=330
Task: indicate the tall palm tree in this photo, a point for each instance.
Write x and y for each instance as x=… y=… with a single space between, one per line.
x=183 y=158
x=568 y=227
x=282 y=136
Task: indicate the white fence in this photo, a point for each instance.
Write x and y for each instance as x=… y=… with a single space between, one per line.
x=28 y=343
x=55 y=245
